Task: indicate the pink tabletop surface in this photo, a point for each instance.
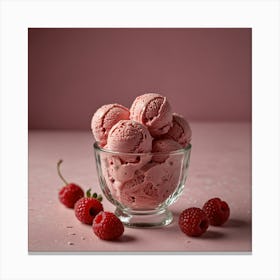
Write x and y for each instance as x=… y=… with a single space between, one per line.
x=220 y=166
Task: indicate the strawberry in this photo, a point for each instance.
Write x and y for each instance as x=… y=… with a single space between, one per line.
x=86 y=208
x=193 y=221
x=70 y=193
x=217 y=211
x=107 y=226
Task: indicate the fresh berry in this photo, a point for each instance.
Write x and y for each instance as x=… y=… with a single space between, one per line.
x=70 y=193
x=86 y=208
x=217 y=211
x=193 y=221
x=107 y=226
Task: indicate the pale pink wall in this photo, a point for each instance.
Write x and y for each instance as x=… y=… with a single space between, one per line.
x=205 y=72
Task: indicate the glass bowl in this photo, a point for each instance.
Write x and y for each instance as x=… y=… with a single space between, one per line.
x=142 y=185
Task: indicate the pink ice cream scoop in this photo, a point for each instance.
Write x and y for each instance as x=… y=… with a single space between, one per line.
x=163 y=146
x=154 y=111
x=180 y=130
x=128 y=136
x=104 y=119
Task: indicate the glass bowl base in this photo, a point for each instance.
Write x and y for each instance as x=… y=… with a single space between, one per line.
x=145 y=219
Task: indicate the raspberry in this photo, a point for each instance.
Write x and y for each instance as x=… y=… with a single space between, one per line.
x=107 y=226
x=217 y=211
x=70 y=194
x=87 y=208
x=193 y=221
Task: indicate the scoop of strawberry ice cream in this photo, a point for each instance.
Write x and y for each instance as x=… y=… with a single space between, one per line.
x=180 y=130
x=128 y=136
x=105 y=118
x=154 y=111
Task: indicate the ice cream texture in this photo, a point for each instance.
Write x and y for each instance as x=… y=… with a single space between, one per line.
x=148 y=178
x=180 y=131
x=142 y=185
x=154 y=111
x=128 y=136
x=162 y=147
x=105 y=118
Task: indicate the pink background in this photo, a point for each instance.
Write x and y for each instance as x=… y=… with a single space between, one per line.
x=204 y=72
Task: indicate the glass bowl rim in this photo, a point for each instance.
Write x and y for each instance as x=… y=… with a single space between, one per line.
x=176 y=152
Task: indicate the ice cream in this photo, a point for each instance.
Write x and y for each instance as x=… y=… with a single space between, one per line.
x=149 y=186
x=154 y=111
x=163 y=147
x=145 y=180
x=104 y=119
x=123 y=168
x=128 y=136
x=180 y=130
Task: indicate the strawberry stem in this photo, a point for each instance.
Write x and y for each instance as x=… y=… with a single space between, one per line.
x=59 y=173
